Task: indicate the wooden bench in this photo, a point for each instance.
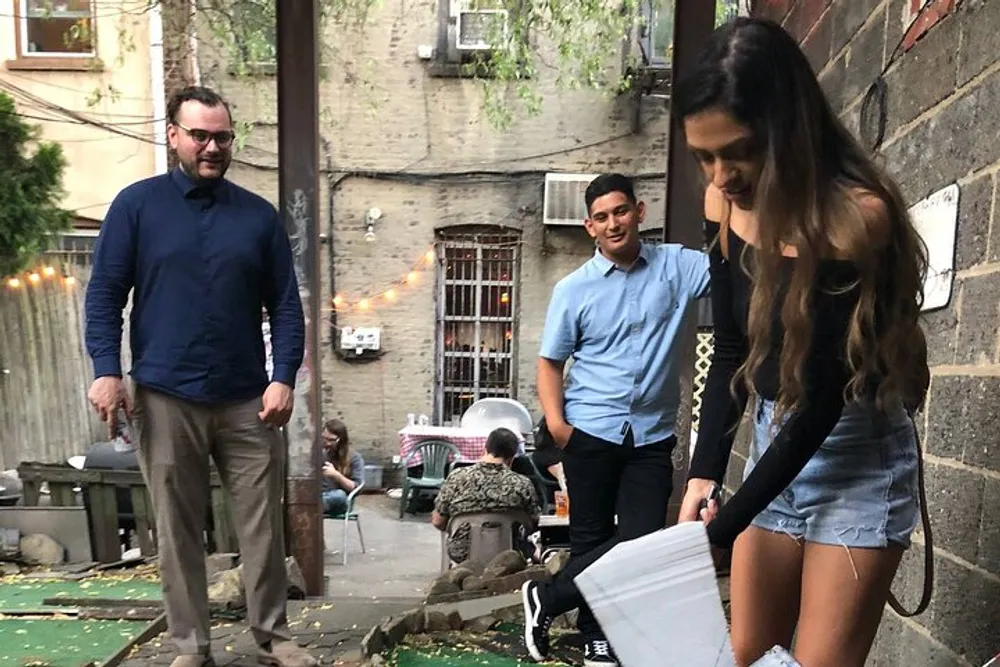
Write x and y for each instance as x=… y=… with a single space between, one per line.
x=102 y=486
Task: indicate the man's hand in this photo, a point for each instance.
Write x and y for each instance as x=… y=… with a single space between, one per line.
x=697 y=491
x=277 y=402
x=107 y=394
x=561 y=433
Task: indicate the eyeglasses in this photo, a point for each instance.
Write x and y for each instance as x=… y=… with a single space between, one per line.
x=223 y=139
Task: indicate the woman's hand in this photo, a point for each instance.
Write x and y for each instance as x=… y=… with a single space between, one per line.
x=697 y=491
x=330 y=471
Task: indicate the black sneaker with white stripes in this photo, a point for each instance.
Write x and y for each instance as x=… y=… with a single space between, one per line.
x=598 y=653
x=536 y=622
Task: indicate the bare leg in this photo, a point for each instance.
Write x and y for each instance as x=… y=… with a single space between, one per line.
x=843 y=595
x=764 y=592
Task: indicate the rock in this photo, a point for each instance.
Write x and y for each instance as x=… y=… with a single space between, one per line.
x=504 y=563
x=473 y=566
x=373 y=643
x=218 y=563
x=414 y=621
x=38 y=549
x=296 y=580
x=474 y=583
x=455 y=620
x=513 y=582
x=376 y=661
x=436 y=621
x=459 y=574
x=442 y=586
x=557 y=562
x=9 y=569
x=510 y=614
x=228 y=591
x=393 y=630
x=482 y=624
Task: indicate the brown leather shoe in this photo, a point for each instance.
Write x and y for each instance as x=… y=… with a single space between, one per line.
x=286 y=654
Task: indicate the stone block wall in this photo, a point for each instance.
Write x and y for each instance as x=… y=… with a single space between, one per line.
x=941 y=65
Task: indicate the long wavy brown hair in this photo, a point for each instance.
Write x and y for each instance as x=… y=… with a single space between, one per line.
x=341 y=456
x=808 y=197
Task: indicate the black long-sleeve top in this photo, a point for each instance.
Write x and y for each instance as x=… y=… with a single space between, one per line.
x=825 y=376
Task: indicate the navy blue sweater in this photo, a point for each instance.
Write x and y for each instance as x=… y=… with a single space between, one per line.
x=203 y=263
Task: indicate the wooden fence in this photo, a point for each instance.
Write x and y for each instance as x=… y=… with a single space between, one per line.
x=44 y=368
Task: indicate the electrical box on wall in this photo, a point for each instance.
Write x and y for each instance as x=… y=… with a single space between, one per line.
x=360 y=340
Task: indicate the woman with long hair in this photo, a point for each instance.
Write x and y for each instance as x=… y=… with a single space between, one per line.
x=817 y=277
x=343 y=468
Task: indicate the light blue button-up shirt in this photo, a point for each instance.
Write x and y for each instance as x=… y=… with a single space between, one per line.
x=621 y=328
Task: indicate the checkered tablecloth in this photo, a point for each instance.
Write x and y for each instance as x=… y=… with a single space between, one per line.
x=471 y=443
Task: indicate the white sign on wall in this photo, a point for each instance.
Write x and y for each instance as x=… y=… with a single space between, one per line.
x=936 y=220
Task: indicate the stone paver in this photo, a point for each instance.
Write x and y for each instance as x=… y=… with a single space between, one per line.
x=402 y=559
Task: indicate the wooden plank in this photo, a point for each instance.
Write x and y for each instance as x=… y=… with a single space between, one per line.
x=105 y=603
x=62 y=494
x=152 y=630
x=224 y=534
x=143 y=525
x=119 y=614
x=104 y=523
x=31 y=493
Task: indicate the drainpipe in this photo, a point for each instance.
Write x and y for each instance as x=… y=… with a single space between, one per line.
x=158 y=88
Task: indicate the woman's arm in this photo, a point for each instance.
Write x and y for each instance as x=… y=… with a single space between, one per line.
x=720 y=411
x=826 y=376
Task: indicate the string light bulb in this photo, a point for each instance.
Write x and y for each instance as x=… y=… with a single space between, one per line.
x=14 y=283
x=33 y=277
x=48 y=271
x=70 y=280
x=430 y=256
x=338 y=300
x=390 y=295
x=411 y=277
x=363 y=304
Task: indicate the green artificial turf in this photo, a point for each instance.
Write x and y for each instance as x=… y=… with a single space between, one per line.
x=46 y=642
x=22 y=593
x=448 y=656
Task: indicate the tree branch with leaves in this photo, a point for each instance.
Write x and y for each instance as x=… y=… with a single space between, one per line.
x=30 y=191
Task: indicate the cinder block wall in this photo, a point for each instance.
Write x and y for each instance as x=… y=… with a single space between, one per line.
x=943 y=127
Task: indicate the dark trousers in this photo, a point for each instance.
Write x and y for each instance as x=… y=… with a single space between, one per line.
x=604 y=479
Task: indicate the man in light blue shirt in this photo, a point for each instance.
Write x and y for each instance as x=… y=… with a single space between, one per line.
x=618 y=318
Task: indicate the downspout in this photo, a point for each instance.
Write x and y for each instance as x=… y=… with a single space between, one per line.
x=158 y=89
x=193 y=44
x=331 y=192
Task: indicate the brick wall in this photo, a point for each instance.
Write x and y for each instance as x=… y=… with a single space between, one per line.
x=942 y=125
x=387 y=118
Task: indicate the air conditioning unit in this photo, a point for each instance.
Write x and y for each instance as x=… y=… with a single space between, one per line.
x=564 y=203
x=475 y=29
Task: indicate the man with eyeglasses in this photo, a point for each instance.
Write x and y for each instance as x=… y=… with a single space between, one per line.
x=202 y=258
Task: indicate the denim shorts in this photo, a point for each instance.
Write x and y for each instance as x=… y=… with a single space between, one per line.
x=858 y=490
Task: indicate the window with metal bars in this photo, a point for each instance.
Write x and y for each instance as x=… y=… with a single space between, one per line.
x=477 y=308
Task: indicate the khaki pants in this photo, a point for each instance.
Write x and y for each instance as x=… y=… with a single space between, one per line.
x=175 y=440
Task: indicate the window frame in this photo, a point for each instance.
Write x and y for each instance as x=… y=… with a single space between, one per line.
x=482 y=239
x=51 y=60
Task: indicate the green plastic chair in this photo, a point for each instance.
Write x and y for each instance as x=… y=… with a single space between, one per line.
x=437 y=456
x=349 y=516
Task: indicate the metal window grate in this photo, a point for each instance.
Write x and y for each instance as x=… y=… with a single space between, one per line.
x=476 y=321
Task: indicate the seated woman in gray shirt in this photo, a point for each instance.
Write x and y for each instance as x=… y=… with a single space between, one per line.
x=343 y=469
